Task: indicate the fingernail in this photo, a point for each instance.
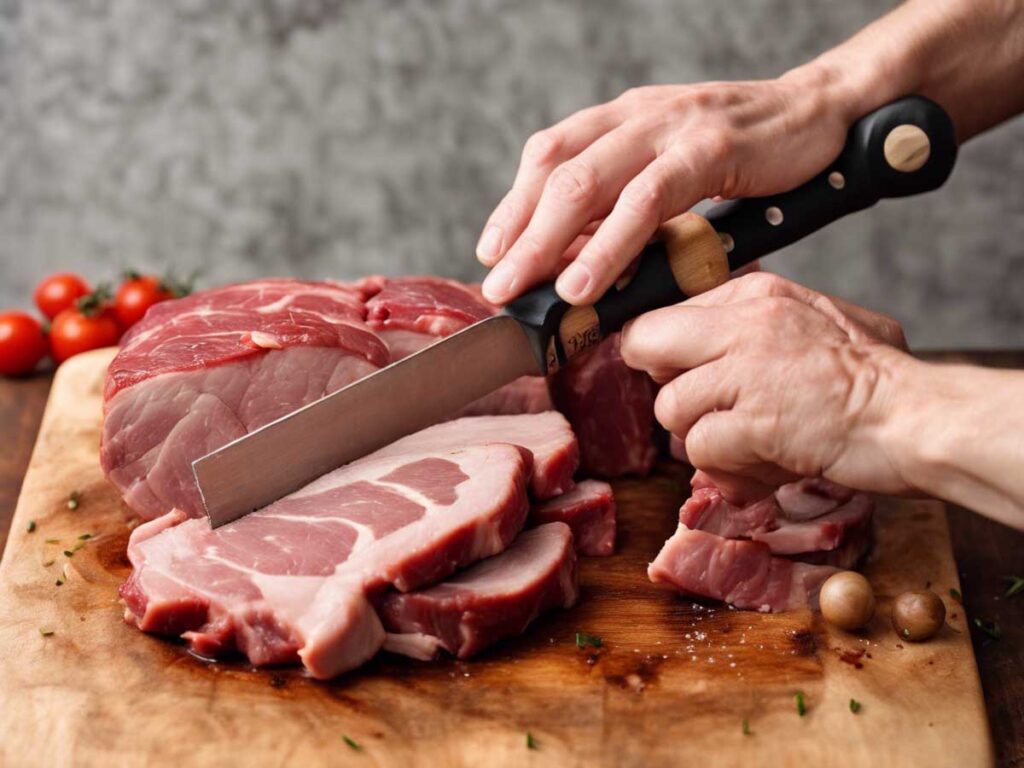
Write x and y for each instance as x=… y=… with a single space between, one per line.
x=489 y=245
x=498 y=285
x=573 y=281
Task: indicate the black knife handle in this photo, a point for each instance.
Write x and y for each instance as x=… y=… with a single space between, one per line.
x=904 y=148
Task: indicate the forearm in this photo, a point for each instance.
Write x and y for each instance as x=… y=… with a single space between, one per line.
x=957 y=432
x=967 y=55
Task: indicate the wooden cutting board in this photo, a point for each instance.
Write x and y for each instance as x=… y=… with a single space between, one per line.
x=671 y=685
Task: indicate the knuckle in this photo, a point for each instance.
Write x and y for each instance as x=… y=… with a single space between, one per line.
x=542 y=147
x=765 y=284
x=719 y=146
x=574 y=182
x=645 y=198
x=776 y=309
x=667 y=408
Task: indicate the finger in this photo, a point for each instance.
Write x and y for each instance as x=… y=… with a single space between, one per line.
x=687 y=398
x=576 y=192
x=680 y=337
x=671 y=184
x=543 y=152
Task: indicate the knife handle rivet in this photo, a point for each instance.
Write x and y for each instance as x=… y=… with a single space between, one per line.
x=836 y=180
x=727 y=242
x=773 y=215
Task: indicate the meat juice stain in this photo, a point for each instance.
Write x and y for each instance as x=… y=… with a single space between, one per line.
x=804 y=643
x=853 y=658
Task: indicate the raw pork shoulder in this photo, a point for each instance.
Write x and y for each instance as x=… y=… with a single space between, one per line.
x=293 y=580
x=589 y=510
x=201 y=371
x=494 y=599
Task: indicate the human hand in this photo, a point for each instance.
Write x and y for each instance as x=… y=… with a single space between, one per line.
x=592 y=190
x=766 y=381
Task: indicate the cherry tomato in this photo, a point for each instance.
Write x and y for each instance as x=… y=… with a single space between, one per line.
x=76 y=330
x=136 y=295
x=58 y=292
x=22 y=343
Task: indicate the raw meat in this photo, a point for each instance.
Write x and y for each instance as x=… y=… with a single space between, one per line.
x=494 y=599
x=707 y=510
x=823 y=533
x=737 y=571
x=547 y=436
x=200 y=371
x=589 y=510
x=811 y=497
x=611 y=409
x=293 y=580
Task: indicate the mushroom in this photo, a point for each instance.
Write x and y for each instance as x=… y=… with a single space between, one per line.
x=918 y=615
x=847 y=600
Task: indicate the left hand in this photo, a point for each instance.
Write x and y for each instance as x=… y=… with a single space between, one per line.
x=767 y=381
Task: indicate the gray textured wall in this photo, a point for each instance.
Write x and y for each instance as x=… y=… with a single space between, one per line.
x=324 y=137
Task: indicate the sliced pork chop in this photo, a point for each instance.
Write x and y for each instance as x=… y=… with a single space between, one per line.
x=547 y=436
x=824 y=533
x=588 y=510
x=611 y=409
x=291 y=581
x=740 y=572
x=494 y=599
x=198 y=372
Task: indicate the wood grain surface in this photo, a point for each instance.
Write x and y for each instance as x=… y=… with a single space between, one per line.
x=671 y=684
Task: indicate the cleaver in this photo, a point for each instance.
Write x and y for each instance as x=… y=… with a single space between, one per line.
x=904 y=148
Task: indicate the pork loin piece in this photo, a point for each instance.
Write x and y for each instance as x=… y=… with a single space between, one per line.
x=496 y=598
x=292 y=581
x=198 y=372
x=588 y=510
x=611 y=409
x=737 y=571
x=411 y=313
x=547 y=436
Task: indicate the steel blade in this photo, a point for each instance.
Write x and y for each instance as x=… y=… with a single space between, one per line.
x=404 y=397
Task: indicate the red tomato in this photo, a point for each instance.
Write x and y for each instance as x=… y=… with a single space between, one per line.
x=58 y=292
x=22 y=343
x=136 y=295
x=74 y=331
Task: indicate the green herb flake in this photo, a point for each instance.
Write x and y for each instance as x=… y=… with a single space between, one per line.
x=854 y=706
x=45 y=632
x=60 y=580
x=583 y=640
x=69 y=553
x=85 y=537
x=955 y=594
x=531 y=743
x=990 y=628
x=48 y=563
x=31 y=527
x=746 y=727
x=351 y=742
x=801 y=704
x=53 y=541
x=1016 y=586
x=74 y=499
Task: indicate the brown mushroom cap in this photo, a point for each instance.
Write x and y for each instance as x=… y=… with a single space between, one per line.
x=918 y=615
x=847 y=600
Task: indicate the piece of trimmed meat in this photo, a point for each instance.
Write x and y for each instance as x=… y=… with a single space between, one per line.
x=588 y=510
x=707 y=510
x=198 y=372
x=292 y=581
x=824 y=533
x=494 y=599
x=740 y=572
x=611 y=409
x=811 y=497
x=547 y=436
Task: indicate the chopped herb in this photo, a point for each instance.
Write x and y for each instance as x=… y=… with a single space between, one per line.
x=531 y=743
x=31 y=526
x=583 y=640
x=69 y=553
x=351 y=742
x=854 y=706
x=48 y=563
x=85 y=537
x=60 y=580
x=74 y=499
x=955 y=594
x=746 y=727
x=990 y=628
x=78 y=546
x=1016 y=586
x=53 y=541
x=801 y=705
x=45 y=632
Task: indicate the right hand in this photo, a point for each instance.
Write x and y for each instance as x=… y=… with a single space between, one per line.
x=621 y=169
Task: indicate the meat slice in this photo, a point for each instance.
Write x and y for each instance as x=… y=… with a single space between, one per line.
x=588 y=510
x=292 y=581
x=611 y=409
x=823 y=533
x=547 y=436
x=811 y=497
x=707 y=510
x=496 y=598
x=740 y=572
x=198 y=372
